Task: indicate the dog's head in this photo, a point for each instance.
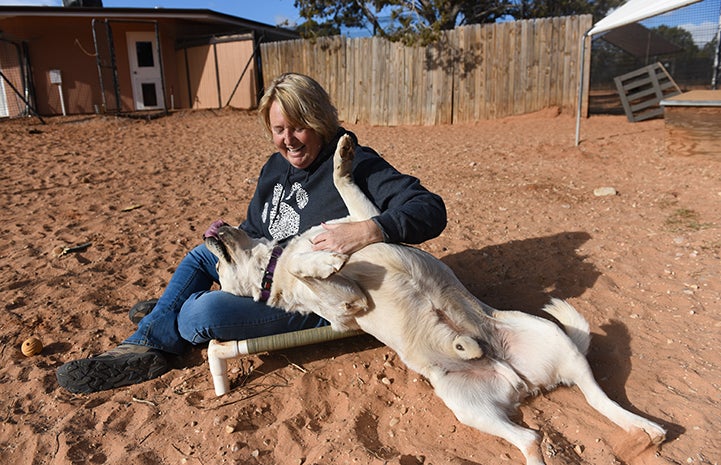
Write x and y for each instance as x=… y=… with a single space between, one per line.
x=239 y=270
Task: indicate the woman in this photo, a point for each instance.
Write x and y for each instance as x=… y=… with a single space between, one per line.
x=295 y=191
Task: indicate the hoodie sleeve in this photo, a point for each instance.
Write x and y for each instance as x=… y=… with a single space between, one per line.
x=410 y=213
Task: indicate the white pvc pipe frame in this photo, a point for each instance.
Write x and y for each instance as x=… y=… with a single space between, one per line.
x=219 y=352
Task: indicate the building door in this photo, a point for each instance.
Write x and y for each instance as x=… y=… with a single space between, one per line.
x=145 y=71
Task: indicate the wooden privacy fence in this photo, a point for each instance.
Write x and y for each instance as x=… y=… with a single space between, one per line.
x=473 y=73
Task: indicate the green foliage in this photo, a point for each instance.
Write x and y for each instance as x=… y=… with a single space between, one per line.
x=421 y=22
x=709 y=50
x=527 y=9
x=679 y=36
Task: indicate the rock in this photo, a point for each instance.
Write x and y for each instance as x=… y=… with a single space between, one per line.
x=604 y=191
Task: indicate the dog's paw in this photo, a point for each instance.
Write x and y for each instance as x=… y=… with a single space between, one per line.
x=343 y=324
x=655 y=432
x=359 y=305
x=331 y=263
x=346 y=148
x=344 y=154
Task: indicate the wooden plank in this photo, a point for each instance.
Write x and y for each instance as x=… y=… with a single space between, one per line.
x=692 y=130
x=457 y=38
x=514 y=97
x=524 y=60
x=559 y=32
x=587 y=65
x=505 y=79
x=703 y=98
x=491 y=71
x=484 y=72
x=540 y=90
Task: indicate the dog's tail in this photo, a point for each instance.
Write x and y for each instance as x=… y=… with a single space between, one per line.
x=573 y=322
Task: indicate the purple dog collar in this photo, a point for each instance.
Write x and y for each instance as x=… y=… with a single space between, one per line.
x=267 y=281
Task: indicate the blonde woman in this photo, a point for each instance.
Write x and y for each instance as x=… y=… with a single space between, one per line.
x=295 y=191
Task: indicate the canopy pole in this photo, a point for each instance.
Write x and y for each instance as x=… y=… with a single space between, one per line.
x=582 y=76
x=717 y=57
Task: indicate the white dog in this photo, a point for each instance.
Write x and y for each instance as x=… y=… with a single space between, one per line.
x=482 y=362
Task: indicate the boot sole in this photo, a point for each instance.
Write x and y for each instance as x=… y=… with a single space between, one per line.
x=103 y=373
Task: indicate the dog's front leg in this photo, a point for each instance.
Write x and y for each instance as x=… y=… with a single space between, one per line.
x=340 y=300
x=316 y=264
x=359 y=206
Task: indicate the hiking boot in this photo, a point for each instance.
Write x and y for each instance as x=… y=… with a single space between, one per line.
x=141 y=309
x=126 y=364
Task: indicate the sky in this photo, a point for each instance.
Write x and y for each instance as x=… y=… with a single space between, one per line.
x=700 y=19
x=271 y=12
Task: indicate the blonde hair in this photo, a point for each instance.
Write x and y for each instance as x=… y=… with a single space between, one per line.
x=304 y=103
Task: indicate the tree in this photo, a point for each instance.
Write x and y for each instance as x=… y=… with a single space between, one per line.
x=679 y=36
x=527 y=9
x=422 y=21
x=408 y=21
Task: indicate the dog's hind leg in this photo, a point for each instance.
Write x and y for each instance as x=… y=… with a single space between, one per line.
x=579 y=373
x=359 y=206
x=491 y=420
x=480 y=405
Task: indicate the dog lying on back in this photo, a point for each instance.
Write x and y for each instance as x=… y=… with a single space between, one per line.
x=481 y=362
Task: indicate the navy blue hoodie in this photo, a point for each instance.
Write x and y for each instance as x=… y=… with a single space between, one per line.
x=288 y=201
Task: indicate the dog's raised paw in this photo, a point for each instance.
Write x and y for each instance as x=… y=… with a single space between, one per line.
x=345 y=147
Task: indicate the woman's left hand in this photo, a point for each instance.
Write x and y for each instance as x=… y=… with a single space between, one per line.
x=347 y=238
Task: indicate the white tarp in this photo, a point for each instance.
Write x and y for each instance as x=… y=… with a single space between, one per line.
x=636 y=10
x=630 y=12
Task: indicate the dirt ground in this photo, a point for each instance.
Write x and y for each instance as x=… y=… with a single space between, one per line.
x=524 y=225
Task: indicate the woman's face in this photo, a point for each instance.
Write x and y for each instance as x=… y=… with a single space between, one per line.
x=300 y=146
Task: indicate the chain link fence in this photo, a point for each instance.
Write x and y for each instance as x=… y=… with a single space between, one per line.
x=684 y=41
x=14 y=87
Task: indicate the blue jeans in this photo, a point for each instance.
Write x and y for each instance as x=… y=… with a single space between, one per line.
x=189 y=313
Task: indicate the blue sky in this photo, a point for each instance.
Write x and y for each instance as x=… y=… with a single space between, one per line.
x=700 y=19
x=266 y=11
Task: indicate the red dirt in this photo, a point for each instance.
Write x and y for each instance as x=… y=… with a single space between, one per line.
x=524 y=225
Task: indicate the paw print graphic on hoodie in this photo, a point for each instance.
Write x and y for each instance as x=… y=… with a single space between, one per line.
x=283 y=213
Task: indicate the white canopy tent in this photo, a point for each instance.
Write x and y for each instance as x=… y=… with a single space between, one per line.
x=630 y=12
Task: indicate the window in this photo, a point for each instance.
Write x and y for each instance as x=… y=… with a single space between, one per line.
x=144 y=52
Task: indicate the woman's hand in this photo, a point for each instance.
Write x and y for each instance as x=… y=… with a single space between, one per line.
x=347 y=238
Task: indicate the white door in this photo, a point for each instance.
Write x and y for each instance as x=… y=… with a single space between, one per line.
x=145 y=71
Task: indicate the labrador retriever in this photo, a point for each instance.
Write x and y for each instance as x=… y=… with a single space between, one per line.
x=481 y=361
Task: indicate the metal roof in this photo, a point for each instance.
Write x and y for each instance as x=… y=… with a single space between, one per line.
x=194 y=15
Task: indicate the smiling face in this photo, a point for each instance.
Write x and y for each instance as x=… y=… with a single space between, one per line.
x=299 y=145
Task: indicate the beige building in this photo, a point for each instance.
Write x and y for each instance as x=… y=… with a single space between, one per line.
x=58 y=60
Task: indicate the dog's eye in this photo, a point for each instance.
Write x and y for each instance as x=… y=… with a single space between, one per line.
x=460 y=347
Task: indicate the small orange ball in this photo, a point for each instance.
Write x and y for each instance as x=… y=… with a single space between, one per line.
x=31 y=346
